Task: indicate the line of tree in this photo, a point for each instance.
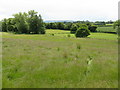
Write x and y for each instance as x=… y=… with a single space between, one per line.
x=58 y=25
x=27 y=23
x=79 y=29
x=69 y=26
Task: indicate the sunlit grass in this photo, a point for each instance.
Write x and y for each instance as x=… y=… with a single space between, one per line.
x=63 y=33
x=106 y=29
x=104 y=36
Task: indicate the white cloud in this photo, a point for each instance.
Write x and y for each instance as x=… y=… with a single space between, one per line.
x=63 y=9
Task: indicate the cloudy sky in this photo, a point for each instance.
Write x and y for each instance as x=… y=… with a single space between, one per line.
x=92 y=10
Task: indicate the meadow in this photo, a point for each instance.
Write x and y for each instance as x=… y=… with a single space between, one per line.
x=98 y=35
x=106 y=29
x=59 y=60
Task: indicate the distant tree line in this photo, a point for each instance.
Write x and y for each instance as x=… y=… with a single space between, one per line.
x=32 y=23
x=69 y=26
x=27 y=23
x=77 y=28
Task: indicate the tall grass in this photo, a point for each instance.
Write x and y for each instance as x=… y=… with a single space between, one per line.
x=43 y=61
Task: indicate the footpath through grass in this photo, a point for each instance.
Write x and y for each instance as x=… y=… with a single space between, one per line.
x=47 y=61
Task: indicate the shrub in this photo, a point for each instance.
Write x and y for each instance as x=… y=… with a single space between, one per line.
x=82 y=32
x=68 y=35
x=52 y=34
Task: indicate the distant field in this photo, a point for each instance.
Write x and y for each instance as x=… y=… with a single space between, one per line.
x=106 y=29
x=47 y=61
x=56 y=31
x=109 y=24
x=63 y=33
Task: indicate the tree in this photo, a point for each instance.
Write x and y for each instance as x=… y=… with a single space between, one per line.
x=31 y=21
x=88 y=24
x=35 y=23
x=117 y=24
x=8 y=25
x=24 y=23
x=4 y=25
x=73 y=28
x=52 y=25
x=82 y=32
x=68 y=25
x=41 y=26
x=60 y=25
x=21 y=22
x=47 y=25
x=11 y=27
x=92 y=28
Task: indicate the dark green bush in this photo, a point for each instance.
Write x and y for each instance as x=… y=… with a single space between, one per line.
x=82 y=32
x=68 y=35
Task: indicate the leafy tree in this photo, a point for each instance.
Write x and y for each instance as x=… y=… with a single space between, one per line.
x=4 y=25
x=11 y=25
x=117 y=24
x=35 y=23
x=24 y=23
x=88 y=24
x=92 y=28
x=53 y=26
x=73 y=28
x=31 y=21
x=109 y=22
x=82 y=32
x=68 y=26
x=21 y=22
x=47 y=25
x=60 y=25
x=8 y=25
x=41 y=25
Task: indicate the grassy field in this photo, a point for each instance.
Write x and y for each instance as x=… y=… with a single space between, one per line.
x=59 y=61
x=63 y=33
x=106 y=29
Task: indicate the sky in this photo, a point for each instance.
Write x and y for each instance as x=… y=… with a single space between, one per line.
x=77 y=10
